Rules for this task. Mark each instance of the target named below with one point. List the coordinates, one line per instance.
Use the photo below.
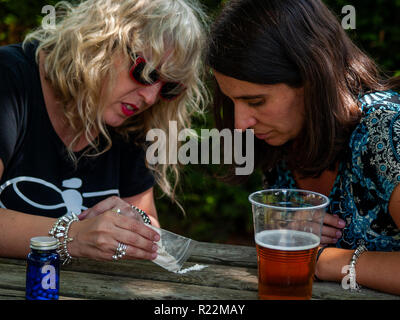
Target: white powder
(196, 267)
(165, 260)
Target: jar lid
(44, 243)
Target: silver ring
(120, 252)
(117, 211)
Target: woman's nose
(150, 93)
(244, 118)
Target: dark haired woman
(324, 121)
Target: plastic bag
(173, 249)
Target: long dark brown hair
(302, 44)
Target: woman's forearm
(16, 230)
(375, 270)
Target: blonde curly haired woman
(75, 105)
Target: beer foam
(287, 240)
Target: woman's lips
(129, 109)
(262, 136)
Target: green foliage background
(215, 211)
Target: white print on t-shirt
(72, 198)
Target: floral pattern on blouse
(366, 176)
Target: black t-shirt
(39, 177)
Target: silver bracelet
(352, 271)
(60, 231)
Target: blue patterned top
(366, 176)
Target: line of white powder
(196, 267)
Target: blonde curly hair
(78, 57)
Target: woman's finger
(136, 240)
(327, 240)
(138, 227)
(132, 251)
(334, 221)
(138, 253)
(331, 232)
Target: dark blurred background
(215, 211)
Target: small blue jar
(43, 270)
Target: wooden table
(231, 275)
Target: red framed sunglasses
(169, 90)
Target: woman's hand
(101, 229)
(332, 229)
(98, 237)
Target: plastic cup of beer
(287, 230)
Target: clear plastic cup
(287, 231)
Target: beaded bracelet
(60, 231)
(143, 214)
